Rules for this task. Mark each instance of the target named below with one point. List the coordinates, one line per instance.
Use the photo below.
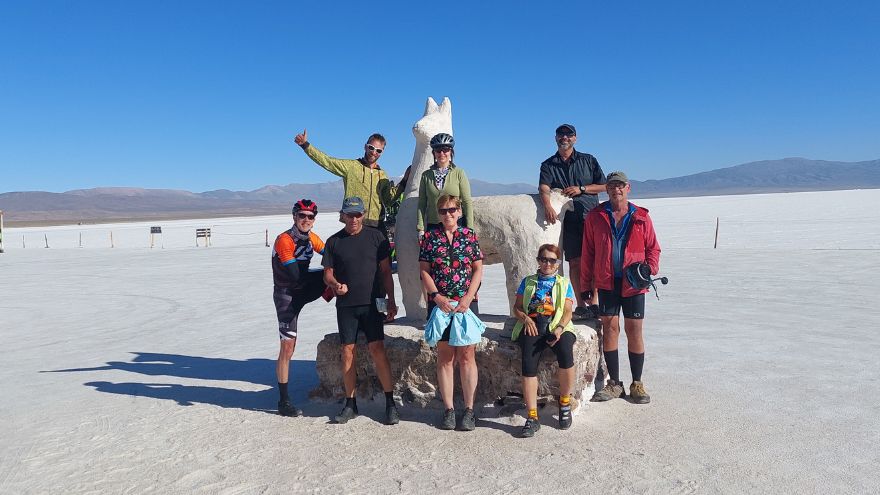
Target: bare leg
(530, 391)
(467, 371)
(610, 332)
(383, 367)
(282, 368)
(349, 375)
(566, 381)
(445, 372)
(634, 340)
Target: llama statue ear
(446, 106)
(430, 106)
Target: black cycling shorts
(533, 346)
(365, 318)
(572, 235)
(611, 302)
(289, 301)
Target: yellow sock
(533, 413)
(565, 400)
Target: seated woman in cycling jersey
(295, 286)
(543, 310)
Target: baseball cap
(617, 176)
(353, 204)
(565, 129)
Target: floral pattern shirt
(451, 263)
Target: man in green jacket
(361, 178)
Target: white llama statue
(510, 228)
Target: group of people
(604, 244)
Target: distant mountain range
(123, 203)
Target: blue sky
(208, 95)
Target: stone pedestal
(413, 366)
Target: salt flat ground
(130, 369)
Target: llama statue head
(437, 119)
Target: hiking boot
(638, 394)
(392, 416)
(468, 422)
(346, 414)
(580, 313)
(530, 428)
(612, 390)
(448, 422)
(564, 416)
(285, 408)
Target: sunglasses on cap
(542, 259)
(447, 211)
(373, 148)
(305, 216)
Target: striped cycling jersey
(291, 247)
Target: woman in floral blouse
(451, 266)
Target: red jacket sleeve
(652, 247)
(588, 254)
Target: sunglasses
(552, 261)
(616, 185)
(353, 215)
(565, 134)
(447, 211)
(373, 148)
(305, 216)
(442, 150)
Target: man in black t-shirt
(357, 268)
(580, 177)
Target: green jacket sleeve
(335, 166)
(423, 203)
(387, 191)
(467, 206)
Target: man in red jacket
(618, 234)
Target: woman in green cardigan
(444, 177)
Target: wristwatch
(432, 295)
(583, 189)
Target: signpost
(153, 231)
(205, 234)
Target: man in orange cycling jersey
(295, 286)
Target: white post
(1, 231)
(46, 238)
(111, 240)
(80, 239)
(716, 233)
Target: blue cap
(353, 204)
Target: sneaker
(580, 313)
(564, 416)
(448, 422)
(612, 390)
(392, 416)
(468, 422)
(638, 394)
(285, 408)
(346, 414)
(530, 428)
